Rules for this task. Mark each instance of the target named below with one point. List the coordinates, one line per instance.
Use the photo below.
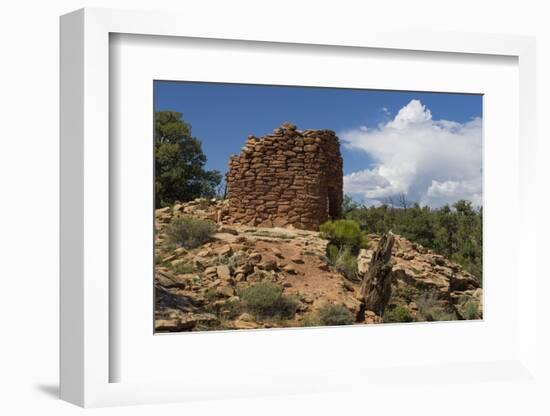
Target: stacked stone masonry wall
(289, 178)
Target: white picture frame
(86, 356)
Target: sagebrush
(344, 261)
(329, 315)
(431, 308)
(189, 232)
(399, 313)
(471, 310)
(266, 300)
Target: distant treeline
(454, 231)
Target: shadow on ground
(51, 390)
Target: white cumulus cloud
(432, 162)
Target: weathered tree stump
(376, 285)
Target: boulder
(297, 259)
(227, 230)
(289, 268)
(211, 271)
(225, 291)
(178, 321)
(245, 321)
(269, 265)
(165, 280)
(223, 272)
(254, 258)
(226, 251)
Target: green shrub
(334, 315)
(345, 239)
(344, 233)
(203, 203)
(397, 314)
(189, 232)
(329, 315)
(230, 309)
(265, 300)
(311, 319)
(430, 308)
(333, 252)
(183, 268)
(232, 261)
(403, 293)
(211, 294)
(344, 261)
(471, 310)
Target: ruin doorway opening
(333, 207)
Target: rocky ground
(198, 289)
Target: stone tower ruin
(289, 178)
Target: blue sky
(223, 115)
